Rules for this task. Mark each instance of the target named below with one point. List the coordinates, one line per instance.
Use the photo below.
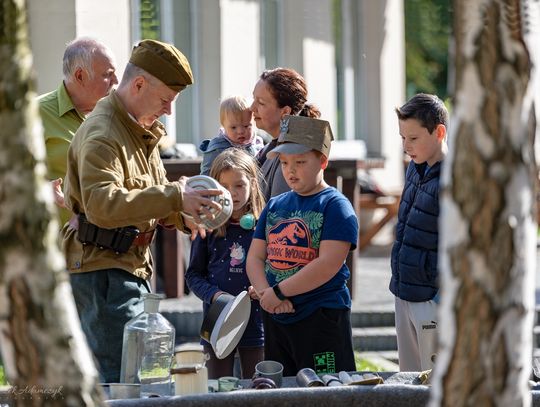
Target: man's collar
(156, 131)
(65, 104)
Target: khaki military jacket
(115, 176)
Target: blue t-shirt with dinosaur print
(293, 227)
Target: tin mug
(228, 383)
(271, 370)
(203, 182)
(308, 378)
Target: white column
(240, 45)
(392, 92)
(319, 58)
(309, 48)
(206, 66)
(348, 50)
(54, 23)
(109, 22)
(381, 84)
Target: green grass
(3, 380)
(365, 365)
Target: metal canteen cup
(203, 182)
(308, 378)
(269, 369)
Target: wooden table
(169, 250)
(389, 203)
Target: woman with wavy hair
(277, 93)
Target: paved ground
(372, 276)
(371, 282)
(371, 279)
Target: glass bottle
(148, 349)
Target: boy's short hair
(428, 109)
(232, 105)
(300, 134)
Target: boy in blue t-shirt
(296, 262)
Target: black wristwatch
(278, 292)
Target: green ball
(247, 221)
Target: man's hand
(57, 193)
(195, 202)
(195, 228)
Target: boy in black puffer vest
(422, 125)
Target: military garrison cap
(164, 61)
(300, 134)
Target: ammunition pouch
(119, 240)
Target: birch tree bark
(488, 205)
(46, 358)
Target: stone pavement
(371, 279)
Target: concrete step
(373, 329)
(186, 316)
(373, 318)
(374, 339)
(188, 322)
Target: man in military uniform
(116, 184)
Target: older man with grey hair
(89, 74)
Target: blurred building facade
(351, 53)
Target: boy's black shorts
(322, 341)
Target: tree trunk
(488, 206)
(46, 358)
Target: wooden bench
(389, 203)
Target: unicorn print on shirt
(238, 255)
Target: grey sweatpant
(416, 327)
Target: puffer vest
(414, 253)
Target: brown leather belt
(144, 238)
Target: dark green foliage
(427, 34)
